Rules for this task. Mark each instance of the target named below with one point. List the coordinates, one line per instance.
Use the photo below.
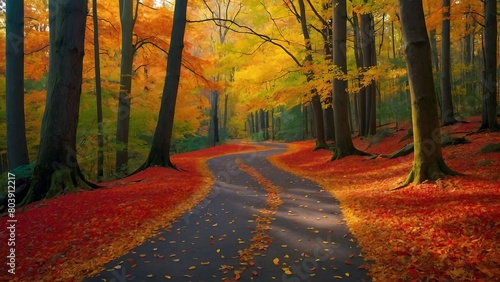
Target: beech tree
(98, 94)
(56, 170)
(489, 113)
(343, 140)
(316, 99)
(428, 161)
(17, 149)
(127, 20)
(447, 116)
(159, 154)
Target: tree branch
(249, 30)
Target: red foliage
(446, 230)
(69, 237)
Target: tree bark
(489, 113)
(97, 63)
(213, 132)
(123, 119)
(447, 115)
(367, 35)
(428, 161)
(316, 99)
(57, 169)
(343, 141)
(17, 148)
(159, 154)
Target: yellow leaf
(287, 271)
(192, 267)
(276, 261)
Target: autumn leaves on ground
(445, 230)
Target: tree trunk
(123, 119)
(361, 94)
(489, 113)
(367, 35)
(447, 116)
(17, 149)
(316, 99)
(306, 121)
(57, 169)
(428, 161)
(160, 149)
(213, 132)
(97, 63)
(343, 141)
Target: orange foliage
(447, 230)
(70, 237)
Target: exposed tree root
(408, 149)
(490, 148)
(320, 146)
(421, 173)
(158, 161)
(339, 154)
(52, 182)
(408, 135)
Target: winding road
(259, 223)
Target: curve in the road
(225, 238)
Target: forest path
(259, 223)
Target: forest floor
(447, 230)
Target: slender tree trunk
(428, 161)
(17, 149)
(57, 169)
(316, 99)
(160, 149)
(343, 141)
(123, 119)
(214, 121)
(489, 113)
(305, 110)
(97, 63)
(447, 116)
(224, 121)
(361, 94)
(367, 35)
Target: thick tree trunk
(447, 116)
(123, 119)
(100, 136)
(428, 161)
(57, 169)
(489, 113)
(343, 141)
(17, 149)
(160, 149)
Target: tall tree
(369, 60)
(127, 55)
(159, 154)
(17, 149)
(316, 99)
(57, 169)
(343, 140)
(447, 116)
(489, 113)
(97, 63)
(428, 161)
